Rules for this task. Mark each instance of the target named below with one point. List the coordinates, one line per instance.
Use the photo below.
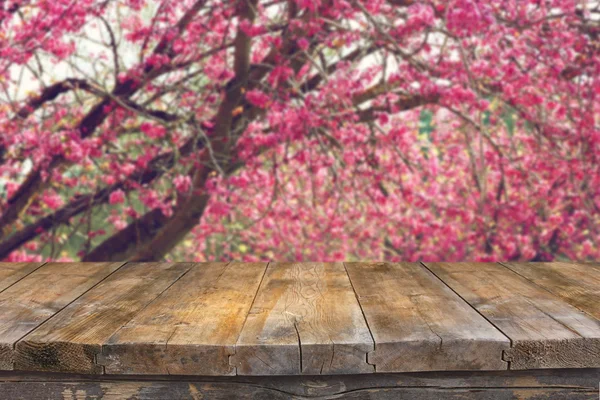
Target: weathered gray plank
(70, 341)
(305, 319)
(537, 384)
(419, 324)
(35, 298)
(546, 332)
(11, 273)
(192, 328)
(575, 283)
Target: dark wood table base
(493, 385)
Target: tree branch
(189, 211)
(50, 93)
(34, 182)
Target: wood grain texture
(576, 284)
(297, 318)
(419, 324)
(192, 328)
(11, 273)
(38, 296)
(305, 320)
(70, 341)
(228, 391)
(496, 385)
(545, 331)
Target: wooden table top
(297, 318)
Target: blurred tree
(299, 129)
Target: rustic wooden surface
(314, 319)
(545, 331)
(192, 328)
(13, 272)
(419, 324)
(573, 384)
(305, 319)
(576, 284)
(70, 341)
(32, 300)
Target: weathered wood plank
(192, 328)
(419, 324)
(11, 273)
(35, 298)
(70, 341)
(305, 319)
(496, 385)
(227, 391)
(577, 284)
(545, 331)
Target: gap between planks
(11, 280)
(418, 324)
(545, 329)
(72, 301)
(19, 302)
(103, 348)
(192, 328)
(14, 344)
(364, 317)
(587, 288)
(305, 319)
(70, 341)
(476, 310)
(229, 360)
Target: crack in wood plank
(305, 319)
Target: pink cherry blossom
(52, 200)
(116, 197)
(153, 131)
(257, 98)
(182, 183)
(300, 130)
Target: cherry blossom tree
(299, 129)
